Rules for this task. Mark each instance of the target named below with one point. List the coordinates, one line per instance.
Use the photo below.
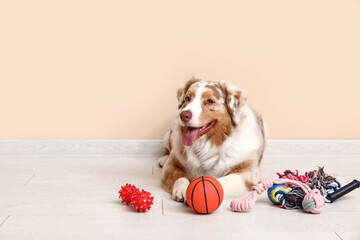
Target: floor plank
(145, 226)
(353, 235)
(3, 219)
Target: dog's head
(208, 108)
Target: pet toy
(344, 190)
(204, 194)
(294, 176)
(293, 198)
(140, 200)
(294, 191)
(126, 192)
(313, 201)
(277, 193)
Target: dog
(215, 133)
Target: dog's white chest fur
(203, 158)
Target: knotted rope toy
(318, 179)
(313, 201)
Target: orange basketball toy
(204, 194)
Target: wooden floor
(77, 198)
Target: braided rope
(243, 204)
(313, 201)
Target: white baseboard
(81, 148)
(153, 148)
(310, 147)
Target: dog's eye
(210, 101)
(187, 99)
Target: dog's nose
(185, 116)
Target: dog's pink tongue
(190, 135)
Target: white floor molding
(152, 148)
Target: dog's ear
(234, 99)
(180, 94)
(182, 91)
(180, 97)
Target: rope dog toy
(313, 201)
(318, 179)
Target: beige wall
(110, 69)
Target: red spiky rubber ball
(204, 194)
(142, 201)
(126, 193)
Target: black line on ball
(207, 212)
(192, 196)
(216, 191)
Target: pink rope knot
(263, 185)
(243, 204)
(313, 201)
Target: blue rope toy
(291, 197)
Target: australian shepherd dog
(215, 133)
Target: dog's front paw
(179, 190)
